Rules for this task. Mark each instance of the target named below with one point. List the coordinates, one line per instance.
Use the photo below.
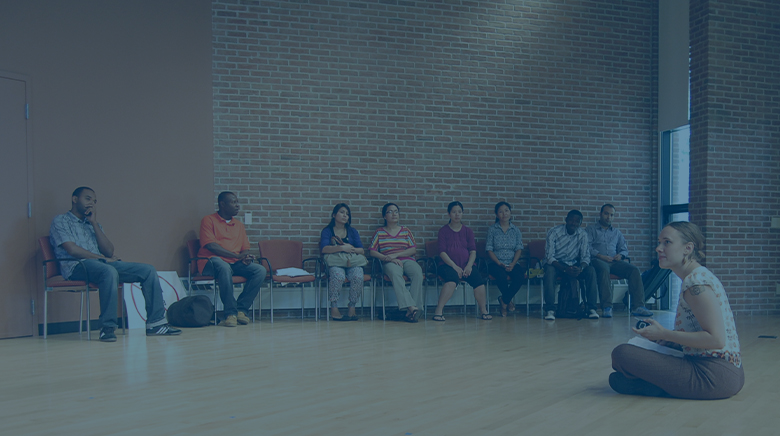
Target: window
(674, 190)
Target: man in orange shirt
(224, 242)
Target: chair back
(281, 253)
(432, 248)
(536, 250)
(52, 268)
(481, 252)
(193, 247)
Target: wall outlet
(248, 218)
(775, 222)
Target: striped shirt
(68, 228)
(565, 248)
(387, 244)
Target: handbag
(345, 260)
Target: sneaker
(242, 318)
(550, 315)
(607, 312)
(107, 335)
(641, 311)
(230, 321)
(592, 314)
(163, 330)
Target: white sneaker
(550, 315)
(593, 315)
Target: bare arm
(104, 244)
(221, 252)
(705, 307)
(493, 257)
(409, 252)
(77, 252)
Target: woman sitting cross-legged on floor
(457, 253)
(711, 366)
(394, 245)
(340, 237)
(504, 246)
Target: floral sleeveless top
(686, 321)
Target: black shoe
(163, 330)
(107, 334)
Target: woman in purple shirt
(457, 253)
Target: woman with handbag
(394, 245)
(343, 253)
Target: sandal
(511, 307)
(343, 318)
(486, 316)
(438, 318)
(503, 306)
(412, 317)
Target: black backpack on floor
(195, 311)
(569, 305)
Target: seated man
(77, 234)
(607, 250)
(223, 240)
(567, 256)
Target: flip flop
(343, 318)
(412, 317)
(438, 318)
(486, 316)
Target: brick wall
(547, 105)
(735, 146)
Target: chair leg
(89, 318)
(122, 306)
(384, 313)
(373, 297)
(271, 286)
(528, 299)
(45, 313)
(216, 295)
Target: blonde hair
(690, 232)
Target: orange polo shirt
(229, 235)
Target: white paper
(293, 272)
(652, 346)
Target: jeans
(108, 275)
(223, 272)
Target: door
(17, 247)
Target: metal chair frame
(82, 287)
(204, 279)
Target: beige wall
(121, 102)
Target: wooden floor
(462, 377)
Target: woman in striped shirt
(394, 245)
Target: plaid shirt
(68, 228)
